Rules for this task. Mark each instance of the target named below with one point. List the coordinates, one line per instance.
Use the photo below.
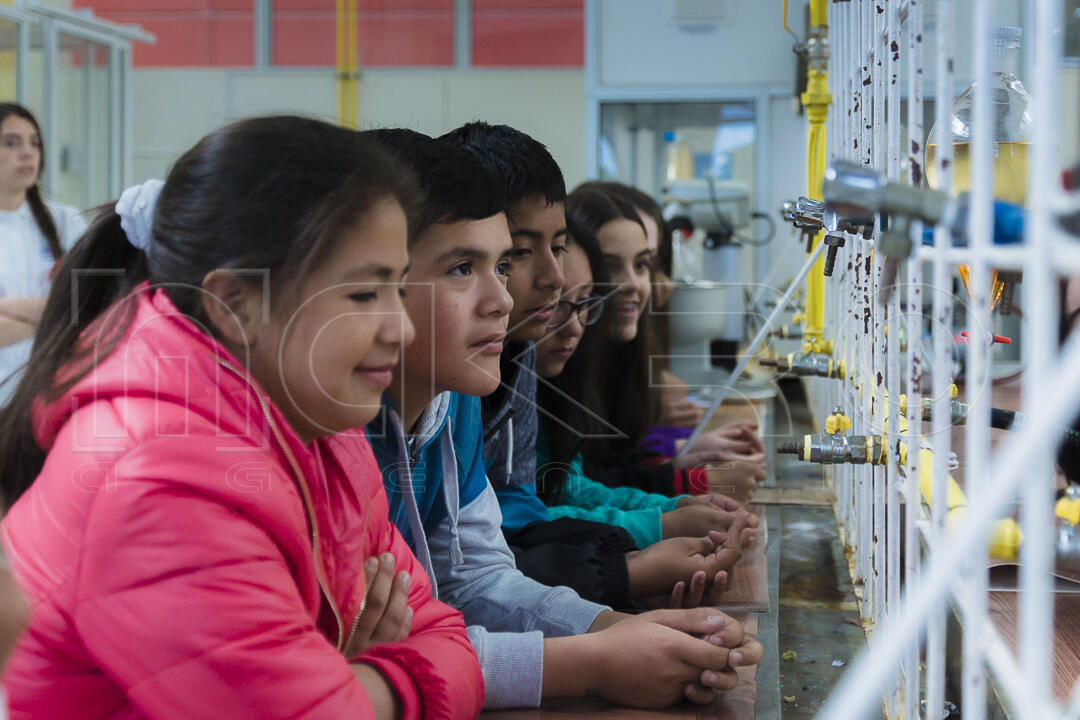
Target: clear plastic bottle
(1011, 111)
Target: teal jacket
(634, 510)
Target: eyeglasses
(587, 310)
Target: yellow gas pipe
(816, 100)
(348, 75)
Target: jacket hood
(431, 422)
(432, 473)
(169, 389)
(166, 359)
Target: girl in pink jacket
(194, 539)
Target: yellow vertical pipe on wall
(9, 70)
(8, 73)
(347, 74)
(816, 100)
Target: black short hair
(456, 186)
(520, 163)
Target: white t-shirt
(25, 264)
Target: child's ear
(234, 307)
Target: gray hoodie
(454, 529)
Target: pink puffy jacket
(188, 557)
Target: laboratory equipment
(707, 311)
(1012, 128)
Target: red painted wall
(191, 33)
(219, 33)
(528, 33)
(388, 33)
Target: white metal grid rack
(874, 44)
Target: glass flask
(1011, 112)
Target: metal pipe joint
(807, 365)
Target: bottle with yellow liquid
(679, 159)
(1012, 134)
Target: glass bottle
(1011, 112)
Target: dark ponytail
(41, 213)
(273, 193)
(104, 246)
(44, 220)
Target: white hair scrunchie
(136, 210)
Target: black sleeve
(658, 479)
(587, 556)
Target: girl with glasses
(562, 482)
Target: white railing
(877, 45)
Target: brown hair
(621, 395)
(657, 329)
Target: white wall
(787, 180)
(638, 44)
(174, 108)
(1070, 115)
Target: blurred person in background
(34, 234)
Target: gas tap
(854, 190)
(833, 447)
(807, 365)
(808, 214)
(787, 332)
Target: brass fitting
(787, 332)
(808, 365)
(834, 447)
(837, 448)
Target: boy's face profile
(538, 231)
(457, 299)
